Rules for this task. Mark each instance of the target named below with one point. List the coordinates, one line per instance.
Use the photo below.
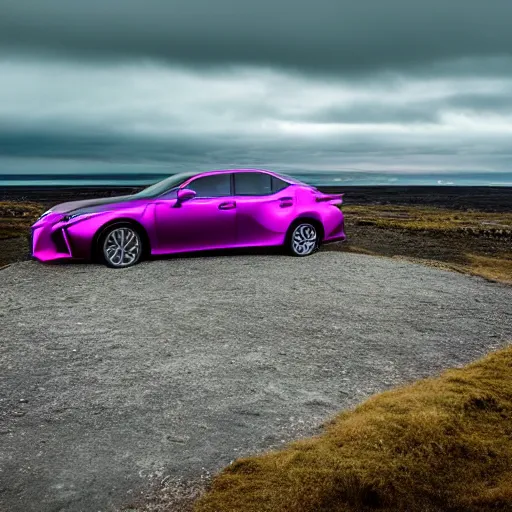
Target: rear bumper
(337, 234)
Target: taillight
(335, 199)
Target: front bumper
(50, 244)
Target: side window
(252, 184)
(278, 184)
(216, 185)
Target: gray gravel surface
(112, 380)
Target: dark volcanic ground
(491, 199)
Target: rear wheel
(121, 246)
(304, 239)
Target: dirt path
(112, 380)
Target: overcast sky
(388, 85)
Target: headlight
(72, 216)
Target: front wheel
(304, 239)
(121, 246)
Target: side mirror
(185, 194)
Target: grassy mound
(439, 444)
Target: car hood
(73, 206)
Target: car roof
(237, 170)
(223, 171)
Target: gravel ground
(112, 380)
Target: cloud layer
(332, 35)
(391, 85)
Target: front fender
(84, 232)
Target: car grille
(60, 243)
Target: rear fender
(308, 216)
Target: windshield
(164, 186)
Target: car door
(265, 207)
(205, 222)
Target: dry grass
(476, 243)
(433, 219)
(440, 444)
(493, 268)
(15, 221)
(16, 218)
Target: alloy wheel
(122, 247)
(304, 239)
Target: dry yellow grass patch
(16, 218)
(431, 219)
(476, 243)
(496, 269)
(440, 444)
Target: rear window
(278, 184)
(252, 184)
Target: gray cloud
(327, 35)
(148, 114)
(326, 85)
(499, 103)
(415, 112)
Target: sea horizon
(318, 178)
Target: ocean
(318, 178)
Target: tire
(120, 245)
(304, 239)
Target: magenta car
(191, 212)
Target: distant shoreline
(482, 198)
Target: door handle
(285, 202)
(227, 206)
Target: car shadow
(248, 251)
(252, 251)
